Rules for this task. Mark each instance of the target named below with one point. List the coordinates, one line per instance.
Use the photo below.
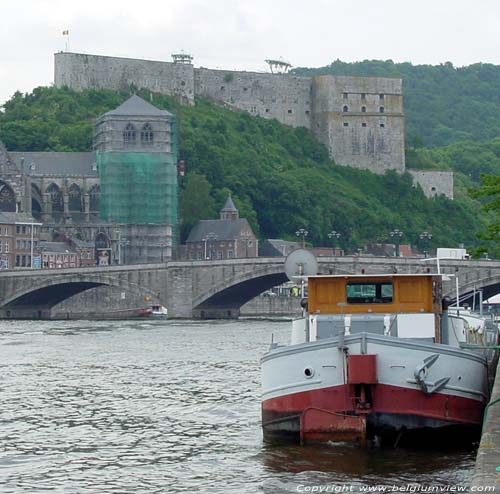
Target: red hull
(389, 407)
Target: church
(122, 196)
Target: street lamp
(302, 232)
(210, 237)
(396, 235)
(425, 237)
(334, 235)
(122, 242)
(245, 237)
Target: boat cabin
(400, 305)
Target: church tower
(136, 146)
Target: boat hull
(373, 385)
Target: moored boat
(377, 357)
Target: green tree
(195, 202)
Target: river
(167, 407)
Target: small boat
(378, 358)
(159, 311)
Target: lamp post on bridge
(334, 235)
(425, 237)
(209, 238)
(397, 234)
(245, 237)
(302, 232)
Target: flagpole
(66, 33)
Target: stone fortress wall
(359, 119)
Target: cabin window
(369, 293)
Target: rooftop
(136, 106)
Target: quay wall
(487, 469)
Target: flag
(66, 33)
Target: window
(363, 96)
(219, 254)
(147, 134)
(382, 125)
(230, 254)
(345, 109)
(289, 111)
(7, 246)
(381, 97)
(381, 109)
(345, 95)
(363, 124)
(363, 109)
(369, 293)
(0, 246)
(129, 135)
(267, 110)
(346, 124)
(222, 88)
(18, 229)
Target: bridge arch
(48, 293)
(234, 292)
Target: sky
(234, 34)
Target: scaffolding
(138, 188)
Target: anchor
(421, 371)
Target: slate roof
(223, 229)
(54, 163)
(12, 218)
(229, 206)
(136, 106)
(82, 244)
(58, 247)
(274, 247)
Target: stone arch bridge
(211, 289)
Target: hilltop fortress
(359, 119)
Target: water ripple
(119, 407)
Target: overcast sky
(234, 34)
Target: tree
(195, 202)
(490, 191)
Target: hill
(281, 178)
(443, 104)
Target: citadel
(359, 119)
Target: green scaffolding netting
(138, 188)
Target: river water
(167, 407)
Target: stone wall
(283, 97)
(434, 183)
(79, 71)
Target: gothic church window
(363, 109)
(129, 135)
(147, 134)
(94, 198)
(381, 109)
(7, 198)
(75, 198)
(345, 109)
